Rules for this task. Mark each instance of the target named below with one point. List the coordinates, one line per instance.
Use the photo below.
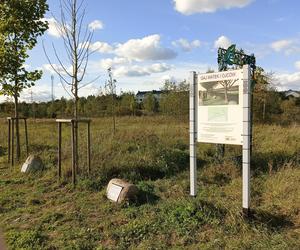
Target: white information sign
(114, 192)
(220, 107)
(220, 112)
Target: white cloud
(169, 78)
(50, 69)
(53, 29)
(185, 45)
(101, 47)
(222, 42)
(136, 70)
(288, 46)
(159, 68)
(59, 69)
(147, 48)
(110, 62)
(188, 7)
(96, 25)
(288, 81)
(297, 65)
(281, 45)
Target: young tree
(111, 89)
(77, 38)
(19, 30)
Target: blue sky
(147, 42)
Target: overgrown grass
(36, 212)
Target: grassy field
(38, 213)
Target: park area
(38, 212)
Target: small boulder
(32, 164)
(119, 190)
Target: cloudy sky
(146, 42)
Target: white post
(246, 138)
(193, 133)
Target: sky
(147, 42)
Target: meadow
(37, 212)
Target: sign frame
(246, 135)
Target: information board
(220, 107)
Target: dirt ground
(2, 243)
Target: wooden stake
(89, 148)
(59, 151)
(73, 153)
(9, 140)
(26, 137)
(12, 141)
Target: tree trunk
(75, 79)
(76, 125)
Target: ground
(37, 212)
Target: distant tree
(128, 104)
(266, 101)
(174, 99)
(150, 103)
(290, 111)
(20, 26)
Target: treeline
(269, 106)
(172, 101)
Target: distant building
(292, 93)
(140, 96)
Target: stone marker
(33, 163)
(119, 190)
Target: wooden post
(74, 125)
(73, 153)
(26, 136)
(89, 148)
(9, 140)
(12, 141)
(59, 151)
(76, 145)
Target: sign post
(246, 138)
(193, 133)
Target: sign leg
(193, 139)
(246, 141)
